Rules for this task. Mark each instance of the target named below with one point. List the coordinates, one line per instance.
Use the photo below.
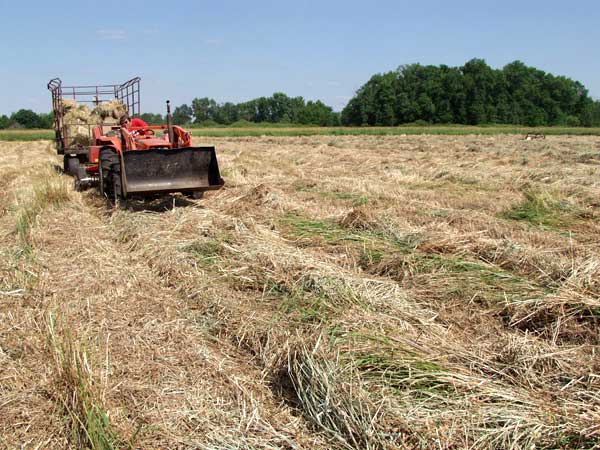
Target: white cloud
(112, 34)
(213, 41)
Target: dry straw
(383, 292)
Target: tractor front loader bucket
(161, 171)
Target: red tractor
(125, 162)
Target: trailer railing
(128, 93)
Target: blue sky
(237, 50)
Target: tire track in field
(28, 416)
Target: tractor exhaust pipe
(170, 125)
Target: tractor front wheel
(109, 172)
(196, 195)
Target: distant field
(391, 131)
(34, 135)
(25, 135)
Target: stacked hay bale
(110, 112)
(77, 118)
(80, 120)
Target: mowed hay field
(371, 292)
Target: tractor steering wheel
(142, 133)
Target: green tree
(351, 114)
(228, 113)
(317, 113)
(279, 108)
(248, 111)
(4, 122)
(426, 107)
(480, 87)
(46, 120)
(472, 94)
(204, 109)
(182, 115)
(385, 98)
(595, 110)
(26, 118)
(263, 110)
(152, 119)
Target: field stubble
(340, 292)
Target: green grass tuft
(370, 257)
(541, 209)
(90, 425)
(386, 363)
(327, 230)
(306, 308)
(204, 252)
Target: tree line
(473, 94)
(278, 108)
(26, 118)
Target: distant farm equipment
(533, 136)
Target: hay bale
(80, 120)
(110, 121)
(68, 105)
(79, 135)
(113, 109)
